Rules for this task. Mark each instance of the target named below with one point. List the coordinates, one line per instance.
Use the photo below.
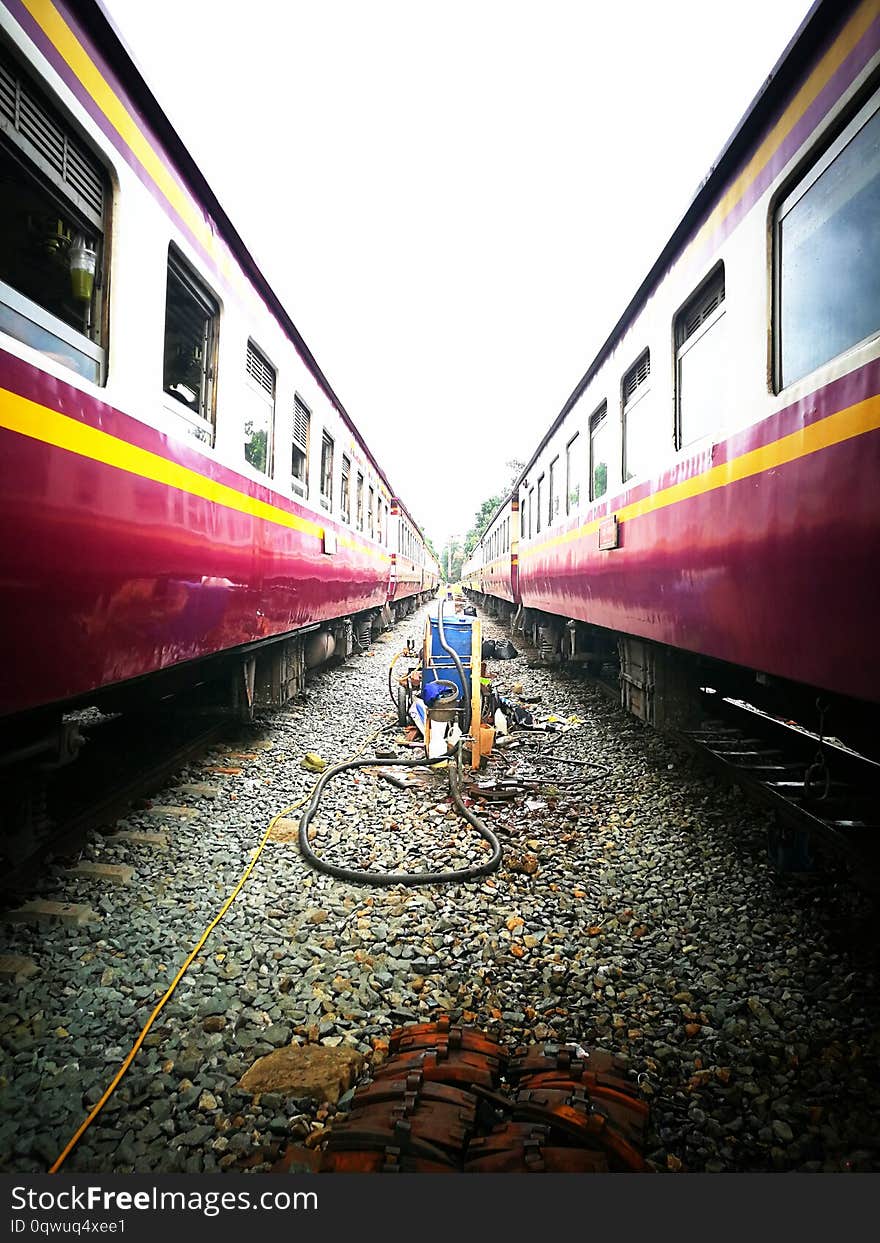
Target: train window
(54, 208)
(359, 502)
(327, 470)
(192, 316)
(371, 509)
(553, 497)
(259, 410)
(639, 430)
(701, 362)
(573, 468)
(299, 464)
(538, 506)
(827, 253)
(600, 435)
(344, 497)
(531, 509)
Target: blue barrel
(459, 633)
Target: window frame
(796, 187)
(568, 464)
(327, 441)
(200, 291)
(552, 490)
(262, 392)
(81, 214)
(683, 348)
(538, 485)
(345, 490)
(627, 404)
(596, 419)
(298, 485)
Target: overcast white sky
(454, 201)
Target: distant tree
(452, 559)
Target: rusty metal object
(442, 1035)
(450, 1098)
(385, 1161)
(524, 1148)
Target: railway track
(823, 793)
(124, 758)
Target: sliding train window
(327, 470)
(191, 320)
(345, 494)
(538, 505)
(827, 253)
(299, 454)
(531, 510)
(371, 511)
(701, 354)
(639, 430)
(573, 473)
(359, 502)
(259, 411)
(54, 219)
(600, 438)
(553, 497)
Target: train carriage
(414, 571)
(184, 495)
(706, 498)
(498, 577)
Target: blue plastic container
(459, 634)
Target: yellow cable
(114, 1083)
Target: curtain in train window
(259, 410)
(828, 253)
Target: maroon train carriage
(706, 502)
(184, 497)
(415, 574)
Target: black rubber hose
(398, 878)
(465, 698)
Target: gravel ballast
(635, 910)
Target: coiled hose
(399, 878)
